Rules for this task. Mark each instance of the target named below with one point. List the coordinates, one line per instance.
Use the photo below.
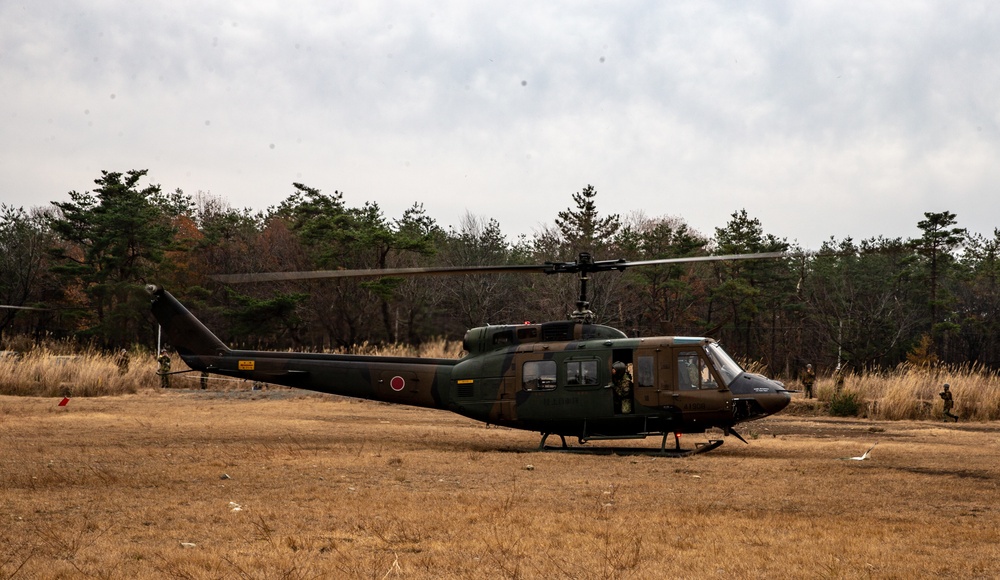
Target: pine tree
(114, 240)
(582, 229)
(936, 244)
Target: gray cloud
(821, 120)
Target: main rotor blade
(727, 257)
(22, 307)
(547, 268)
(386, 272)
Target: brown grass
(60, 369)
(326, 487)
(905, 393)
(912, 393)
(49, 373)
(437, 348)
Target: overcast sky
(819, 118)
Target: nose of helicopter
(776, 399)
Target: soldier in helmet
(622, 381)
(164, 372)
(808, 380)
(949, 402)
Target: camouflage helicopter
(564, 378)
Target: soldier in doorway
(622, 380)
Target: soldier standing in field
(808, 380)
(839, 379)
(164, 371)
(122, 361)
(949, 402)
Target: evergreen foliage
(112, 241)
(582, 229)
(860, 304)
(845, 405)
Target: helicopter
(570, 378)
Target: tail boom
(402, 380)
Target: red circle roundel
(397, 383)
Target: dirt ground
(285, 484)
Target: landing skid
(663, 451)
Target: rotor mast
(583, 266)
(583, 313)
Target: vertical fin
(185, 332)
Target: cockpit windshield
(727, 367)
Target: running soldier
(949, 402)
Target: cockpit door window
(693, 373)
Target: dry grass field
(285, 484)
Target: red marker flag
(64, 402)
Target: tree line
(81, 267)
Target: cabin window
(646, 371)
(538, 375)
(503, 337)
(581, 373)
